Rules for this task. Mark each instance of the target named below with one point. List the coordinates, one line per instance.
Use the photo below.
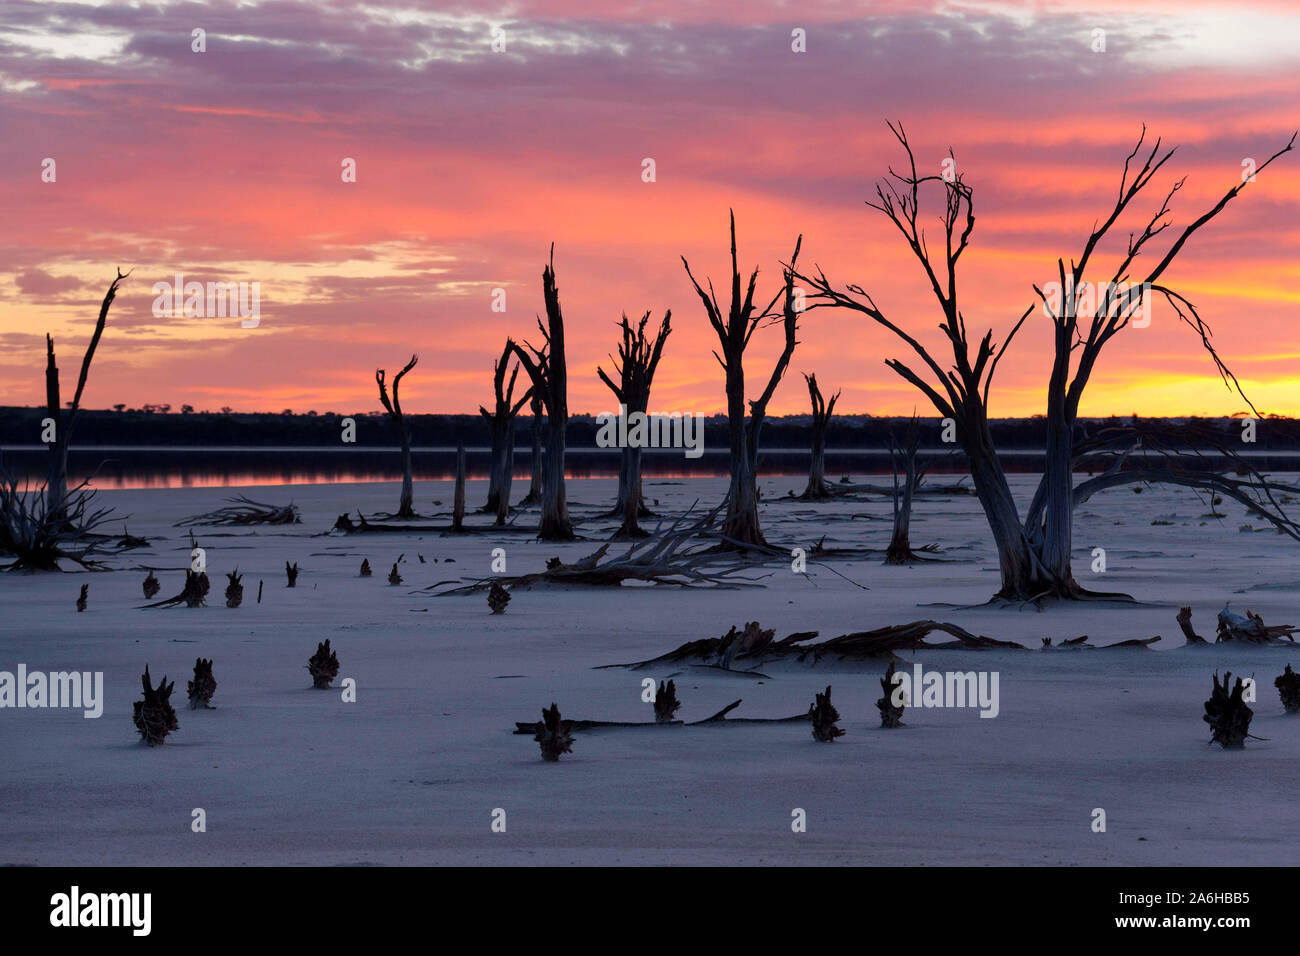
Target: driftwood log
(658, 559)
(1081, 643)
(154, 716)
(1252, 629)
(528, 727)
(244, 511)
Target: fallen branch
(244, 511)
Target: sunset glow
(225, 166)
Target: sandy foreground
(412, 772)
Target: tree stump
(151, 586)
(666, 702)
(365, 568)
(291, 571)
(81, 599)
(323, 665)
(498, 598)
(196, 588)
(891, 715)
(234, 590)
(393, 577)
(552, 734)
(823, 716)
(1288, 687)
(154, 716)
(203, 686)
(1227, 714)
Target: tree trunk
(458, 501)
(817, 469)
(555, 524)
(629, 495)
(506, 475)
(741, 524)
(1016, 562)
(900, 544)
(535, 482)
(406, 508)
(497, 464)
(56, 485)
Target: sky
(471, 160)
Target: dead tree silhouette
(734, 329)
(501, 421)
(406, 508)
(638, 357)
(1034, 553)
(546, 369)
(822, 411)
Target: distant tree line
(22, 426)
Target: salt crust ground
(411, 772)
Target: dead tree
(1227, 714)
(154, 716)
(365, 568)
(823, 715)
(234, 589)
(534, 495)
(1033, 553)
(291, 572)
(666, 702)
(406, 508)
(552, 734)
(203, 686)
(394, 578)
(81, 599)
(546, 370)
(638, 357)
(1288, 688)
(56, 484)
(822, 411)
(900, 544)
(891, 713)
(150, 586)
(734, 329)
(323, 666)
(501, 422)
